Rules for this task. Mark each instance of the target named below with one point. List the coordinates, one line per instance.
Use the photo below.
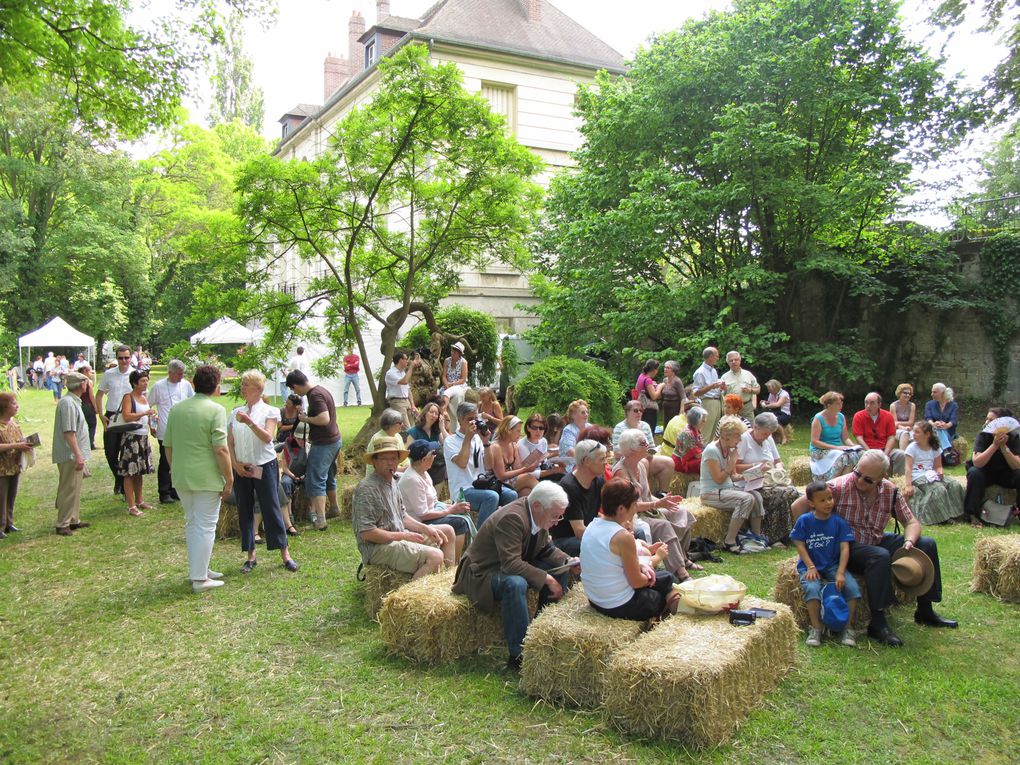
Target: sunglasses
(534, 426)
(866, 479)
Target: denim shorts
(813, 590)
(320, 473)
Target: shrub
(474, 326)
(554, 382)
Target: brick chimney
(382, 9)
(534, 9)
(334, 74)
(355, 50)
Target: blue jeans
(350, 380)
(813, 590)
(944, 441)
(486, 502)
(511, 591)
(320, 472)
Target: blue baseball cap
(421, 448)
(835, 611)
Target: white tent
(227, 331)
(57, 333)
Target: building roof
(396, 23)
(504, 25)
(301, 110)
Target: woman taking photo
(250, 433)
(135, 457)
(648, 393)
(489, 408)
(288, 417)
(616, 580)
(507, 464)
(12, 446)
(832, 451)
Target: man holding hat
(385, 533)
(866, 500)
(70, 453)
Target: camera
(481, 426)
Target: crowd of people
(533, 501)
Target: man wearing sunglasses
(866, 500)
(113, 386)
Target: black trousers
(267, 489)
(570, 545)
(91, 420)
(163, 480)
(873, 564)
(111, 447)
(647, 602)
(979, 479)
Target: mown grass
(108, 657)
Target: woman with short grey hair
(391, 422)
(757, 447)
(671, 392)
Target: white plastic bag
(710, 594)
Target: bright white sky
(288, 56)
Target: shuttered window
(503, 100)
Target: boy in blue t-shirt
(823, 542)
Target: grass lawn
(108, 657)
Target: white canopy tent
(57, 333)
(227, 331)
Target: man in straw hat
(866, 500)
(386, 534)
(512, 554)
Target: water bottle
(460, 495)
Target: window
(286, 129)
(371, 53)
(502, 100)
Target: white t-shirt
(749, 450)
(163, 396)
(924, 459)
(393, 388)
(115, 385)
(248, 447)
(299, 363)
(460, 478)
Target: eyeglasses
(866, 479)
(536, 426)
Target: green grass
(108, 657)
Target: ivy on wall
(999, 288)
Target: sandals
(734, 548)
(144, 506)
(293, 532)
(133, 510)
(248, 566)
(692, 566)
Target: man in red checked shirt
(352, 370)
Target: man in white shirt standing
(163, 396)
(708, 387)
(113, 386)
(398, 387)
(741, 383)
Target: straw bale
(680, 483)
(694, 679)
(787, 591)
(299, 508)
(425, 622)
(710, 522)
(228, 526)
(347, 501)
(997, 567)
(443, 491)
(962, 445)
(993, 492)
(379, 582)
(567, 649)
(800, 471)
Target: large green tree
(733, 189)
(235, 96)
(418, 183)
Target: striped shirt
(868, 523)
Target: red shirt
(868, 523)
(352, 363)
(875, 433)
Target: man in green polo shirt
(195, 444)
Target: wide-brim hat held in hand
(913, 571)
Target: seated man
(583, 486)
(386, 534)
(511, 554)
(467, 457)
(875, 428)
(996, 462)
(866, 500)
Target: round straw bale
(694, 679)
(710, 522)
(994, 492)
(567, 649)
(379, 582)
(680, 483)
(800, 471)
(228, 526)
(962, 445)
(997, 567)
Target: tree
(236, 98)
(733, 189)
(476, 329)
(420, 182)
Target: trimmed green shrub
(474, 326)
(554, 382)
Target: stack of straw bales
(379, 582)
(568, 648)
(694, 679)
(800, 471)
(997, 567)
(788, 592)
(681, 481)
(710, 523)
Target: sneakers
(814, 637)
(210, 574)
(846, 637)
(207, 584)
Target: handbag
(647, 402)
(997, 514)
(950, 457)
(487, 481)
